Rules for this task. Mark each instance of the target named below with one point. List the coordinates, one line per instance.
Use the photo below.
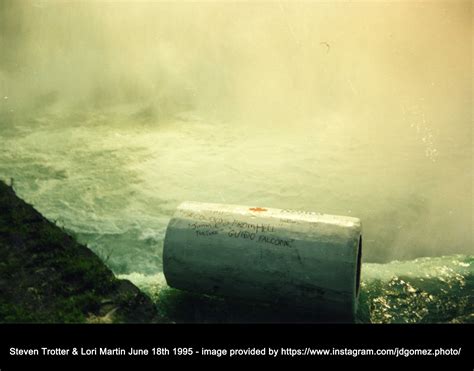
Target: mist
(357, 108)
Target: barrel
(300, 259)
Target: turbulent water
(116, 186)
(112, 113)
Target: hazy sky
(266, 62)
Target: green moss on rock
(46, 276)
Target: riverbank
(46, 276)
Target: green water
(425, 290)
(116, 187)
(112, 113)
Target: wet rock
(46, 276)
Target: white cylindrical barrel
(297, 258)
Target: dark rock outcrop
(46, 276)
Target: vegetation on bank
(46, 276)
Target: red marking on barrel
(257, 209)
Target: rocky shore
(47, 276)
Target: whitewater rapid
(114, 179)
